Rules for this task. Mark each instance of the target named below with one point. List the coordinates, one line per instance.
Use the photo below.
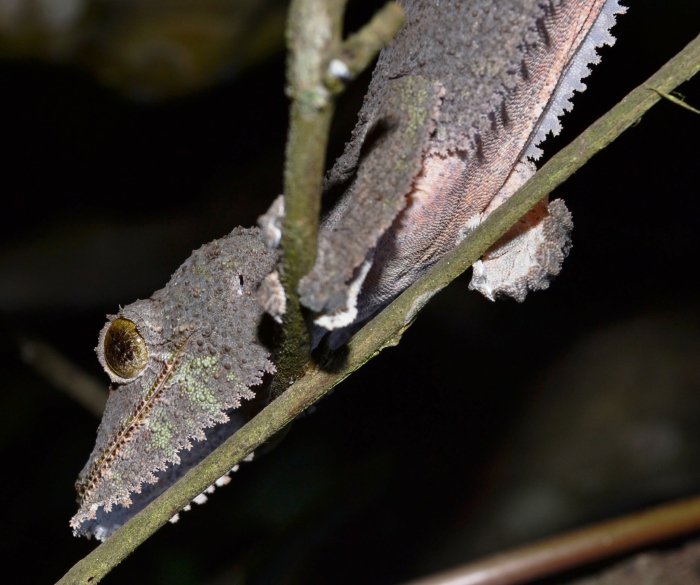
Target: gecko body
(482, 96)
(456, 109)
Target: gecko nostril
(125, 351)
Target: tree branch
(386, 329)
(316, 74)
(574, 549)
(314, 32)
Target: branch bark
(386, 329)
(314, 32)
(319, 66)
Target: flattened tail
(571, 81)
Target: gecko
(452, 121)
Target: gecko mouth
(100, 519)
(111, 491)
(103, 522)
(104, 462)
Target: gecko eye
(125, 351)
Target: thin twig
(574, 549)
(675, 99)
(360, 48)
(386, 329)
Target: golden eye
(125, 351)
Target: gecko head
(181, 363)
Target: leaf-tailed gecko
(457, 107)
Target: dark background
(490, 424)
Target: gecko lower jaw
(104, 523)
(133, 423)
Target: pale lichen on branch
(360, 48)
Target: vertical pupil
(124, 349)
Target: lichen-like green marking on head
(195, 378)
(162, 432)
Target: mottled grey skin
(204, 359)
(497, 76)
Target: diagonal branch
(573, 549)
(386, 329)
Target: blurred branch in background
(64, 375)
(148, 50)
(576, 549)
